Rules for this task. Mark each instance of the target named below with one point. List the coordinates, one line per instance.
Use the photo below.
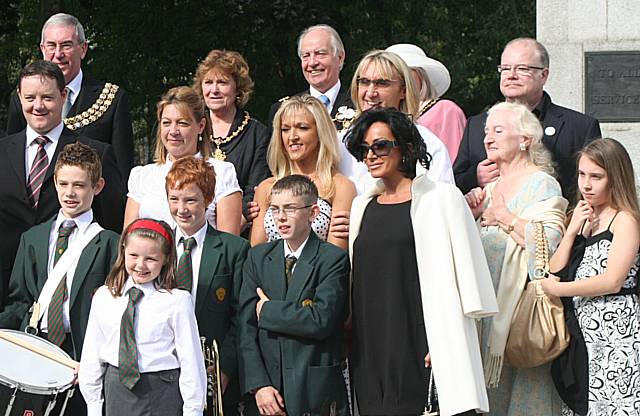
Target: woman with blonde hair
(181, 122)
(598, 262)
(526, 192)
(304, 142)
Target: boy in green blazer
(61, 262)
(293, 303)
(209, 266)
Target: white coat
(455, 285)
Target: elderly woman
(304, 142)
(415, 299)
(222, 80)
(181, 124)
(442, 117)
(525, 192)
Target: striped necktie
(38, 169)
(128, 370)
(289, 262)
(55, 326)
(184, 273)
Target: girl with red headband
(142, 353)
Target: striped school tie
(184, 272)
(38, 169)
(289, 262)
(129, 372)
(55, 326)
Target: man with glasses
(524, 69)
(93, 108)
(321, 54)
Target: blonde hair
(426, 90)
(528, 125)
(328, 152)
(390, 66)
(190, 105)
(611, 156)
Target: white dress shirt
(440, 169)
(32, 147)
(83, 221)
(331, 94)
(147, 188)
(166, 335)
(196, 254)
(73, 88)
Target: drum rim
(29, 388)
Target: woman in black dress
(223, 81)
(406, 279)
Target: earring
(404, 160)
(199, 137)
(523, 147)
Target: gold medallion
(307, 302)
(219, 154)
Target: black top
(389, 342)
(248, 153)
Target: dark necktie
(38, 169)
(184, 273)
(289, 262)
(55, 326)
(128, 352)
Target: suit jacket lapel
(303, 268)
(86, 97)
(274, 283)
(16, 155)
(208, 265)
(552, 125)
(84, 263)
(42, 252)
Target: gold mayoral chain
(94, 112)
(426, 107)
(219, 141)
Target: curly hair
(82, 156)
(412, 147)
(228, 64)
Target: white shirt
(32, 147)
(440, 169)
(296, 254)
(83, 221)
(73, 88)
(196, 254)
(147, 188)
(331, 94)
(166, 335)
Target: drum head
(30, 371)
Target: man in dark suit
(93, 108)
(27, 161)
(215, 283)
(321, 54)
(293, 302)
(524, 69)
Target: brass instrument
(213, 400)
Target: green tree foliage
(150, 46)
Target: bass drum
(31, 384)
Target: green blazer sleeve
(253, 373)
(22, 291)
(319, 318)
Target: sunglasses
(380, 147)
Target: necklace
(218, 141)
(426, 107)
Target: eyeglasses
(380, 147)
(377, 83)
(519, 69)
(64, 47)
(288, 210)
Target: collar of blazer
(209, 260)
(302, 272)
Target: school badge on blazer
(220, 294)
(307, 302)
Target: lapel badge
(220, 294)
(307, 302)
(550, 131)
